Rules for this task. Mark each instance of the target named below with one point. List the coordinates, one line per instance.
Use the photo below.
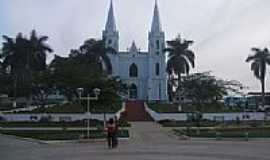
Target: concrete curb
(61, 141)
(23, 138)
(231, 139)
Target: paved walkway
(149, 133)
(148, 142)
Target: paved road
(148, 142)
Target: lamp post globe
(97, 91)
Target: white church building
(143, 71)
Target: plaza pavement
(148, 142)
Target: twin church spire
(156, 24)
(111, 25)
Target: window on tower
(157, 69)
(157, 44)
(109, 41)
(133, 70)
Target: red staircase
(135, 111)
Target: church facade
(144, 72)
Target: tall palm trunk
(170, 87)
(15, 92)
(263, 91)
(104, 120)
(179, 89)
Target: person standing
(111, 133)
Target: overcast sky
(223, 30)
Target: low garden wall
(54, 117)
(258, 116)
(57, 117)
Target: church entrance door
(133, 92)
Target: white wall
(54, 117)
(58, 117)
(209, 116)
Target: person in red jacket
(111, 129)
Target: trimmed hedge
(263, 132)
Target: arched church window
(157, 69)
(157, 44)
(133, 70)
(109, 41)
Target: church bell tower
(110, 34)
(157, 81)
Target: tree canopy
(87, 67)
(22, 57)
(259, 62)
(180, 60)
(203, 88)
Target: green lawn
(60, 135)
(173, 108)
(75, 108)
(262, 132)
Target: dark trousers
(115, 140)
(110, 140)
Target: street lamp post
(88, 98)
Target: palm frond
(250, 58)
(190, 57)
(255, 67)
(107, 63)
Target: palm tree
(97, 50)
(23, 56)
(180, 59)
(260, 60)
(1, 68)
(13, 55)
(38, 51)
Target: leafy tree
(203, 88)
(42, 86)
(97, 50)
(259, 61)
(84, 69)
(5, 81)
(180, 60)
(69, 75)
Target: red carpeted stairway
(135, 111)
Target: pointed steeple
(156, 24)
(110, 24)
(133, 47)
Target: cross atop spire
(110, 24)
(156, 24)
